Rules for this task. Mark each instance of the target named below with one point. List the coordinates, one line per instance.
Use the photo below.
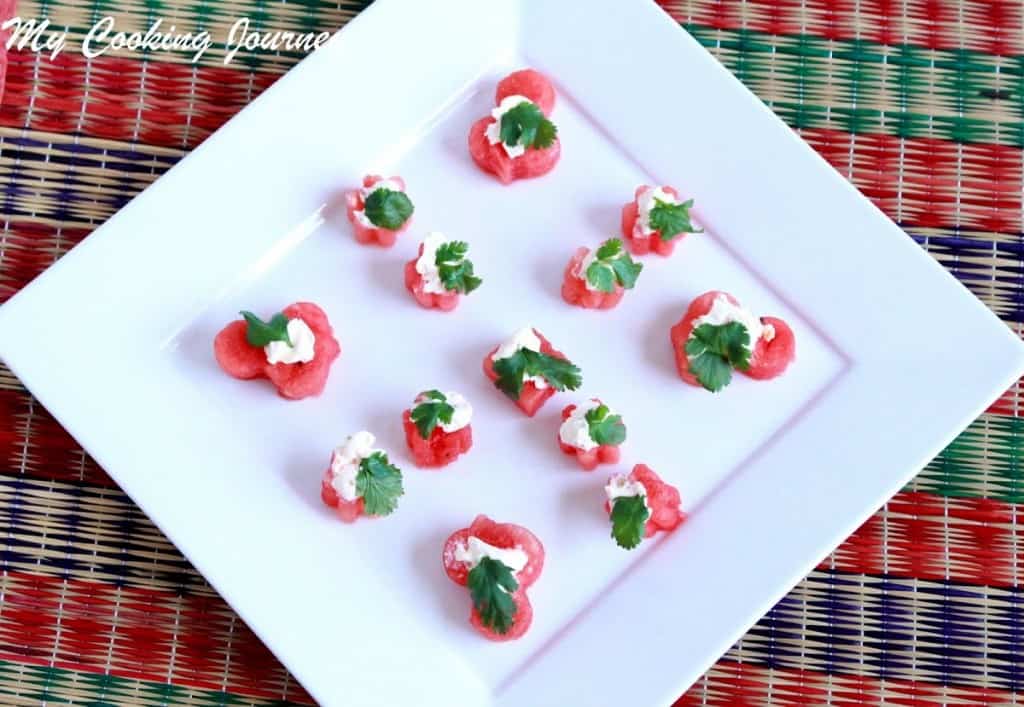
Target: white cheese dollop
(525, 338)
(646, 202)
(622, 486)
(426, 264)
(302, 347)
(723, 312)
(493, 131)
(462, 412)
(345, 463)
(360, 214)
(575, 431)
(476, 549)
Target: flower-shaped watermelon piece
(450, 270)
(370, 234)
(576, 292)
(504, 536)
(588, 458)
(531, 398)
(768, 359)
(240, 359)
(536, 161)
(641, 243)
(441, 448)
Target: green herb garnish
(379, 484)
(388, 209)
(715, 350)
(611, 265)
(491, 584)
(433, 410)
(672, 219)
(512, 370)
(526, 125)
(261, 333)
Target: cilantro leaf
(559, 373)
(605, 428)
(613, 265)
(491, 584)
(526, 125)
(714, 350)
(379, 484)
(672, 219)
(388, 209)
(455, 270)
(609, 249)
(261, 333)
(510, 371)
(428, 414)
(601, 276)
(629, 520)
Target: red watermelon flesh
(441, 449)
(771, 358)
(494, 160)
(520, 623)
(502, 535)
(348, 511)
(575, 291)
(662, 498)
(529, 83)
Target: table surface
(919, 103)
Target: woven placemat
(917, 102)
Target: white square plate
(894, 357)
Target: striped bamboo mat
(920, 103)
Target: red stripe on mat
(916, 181)
(137, 633)
(992, 26)
(924, 536)
(733, 683)
(113, 107)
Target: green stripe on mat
(862, 87)
(22, 684)
(985, 461)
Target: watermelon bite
(437, 428)
(440, 273)
(360, 480)
(592, 433)
(519, 554)
(597, 279)
(528, 370)
(651, 207)
(294, 380)
(390, 211)
(641, 489)
(518, 140)
(771, 346)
